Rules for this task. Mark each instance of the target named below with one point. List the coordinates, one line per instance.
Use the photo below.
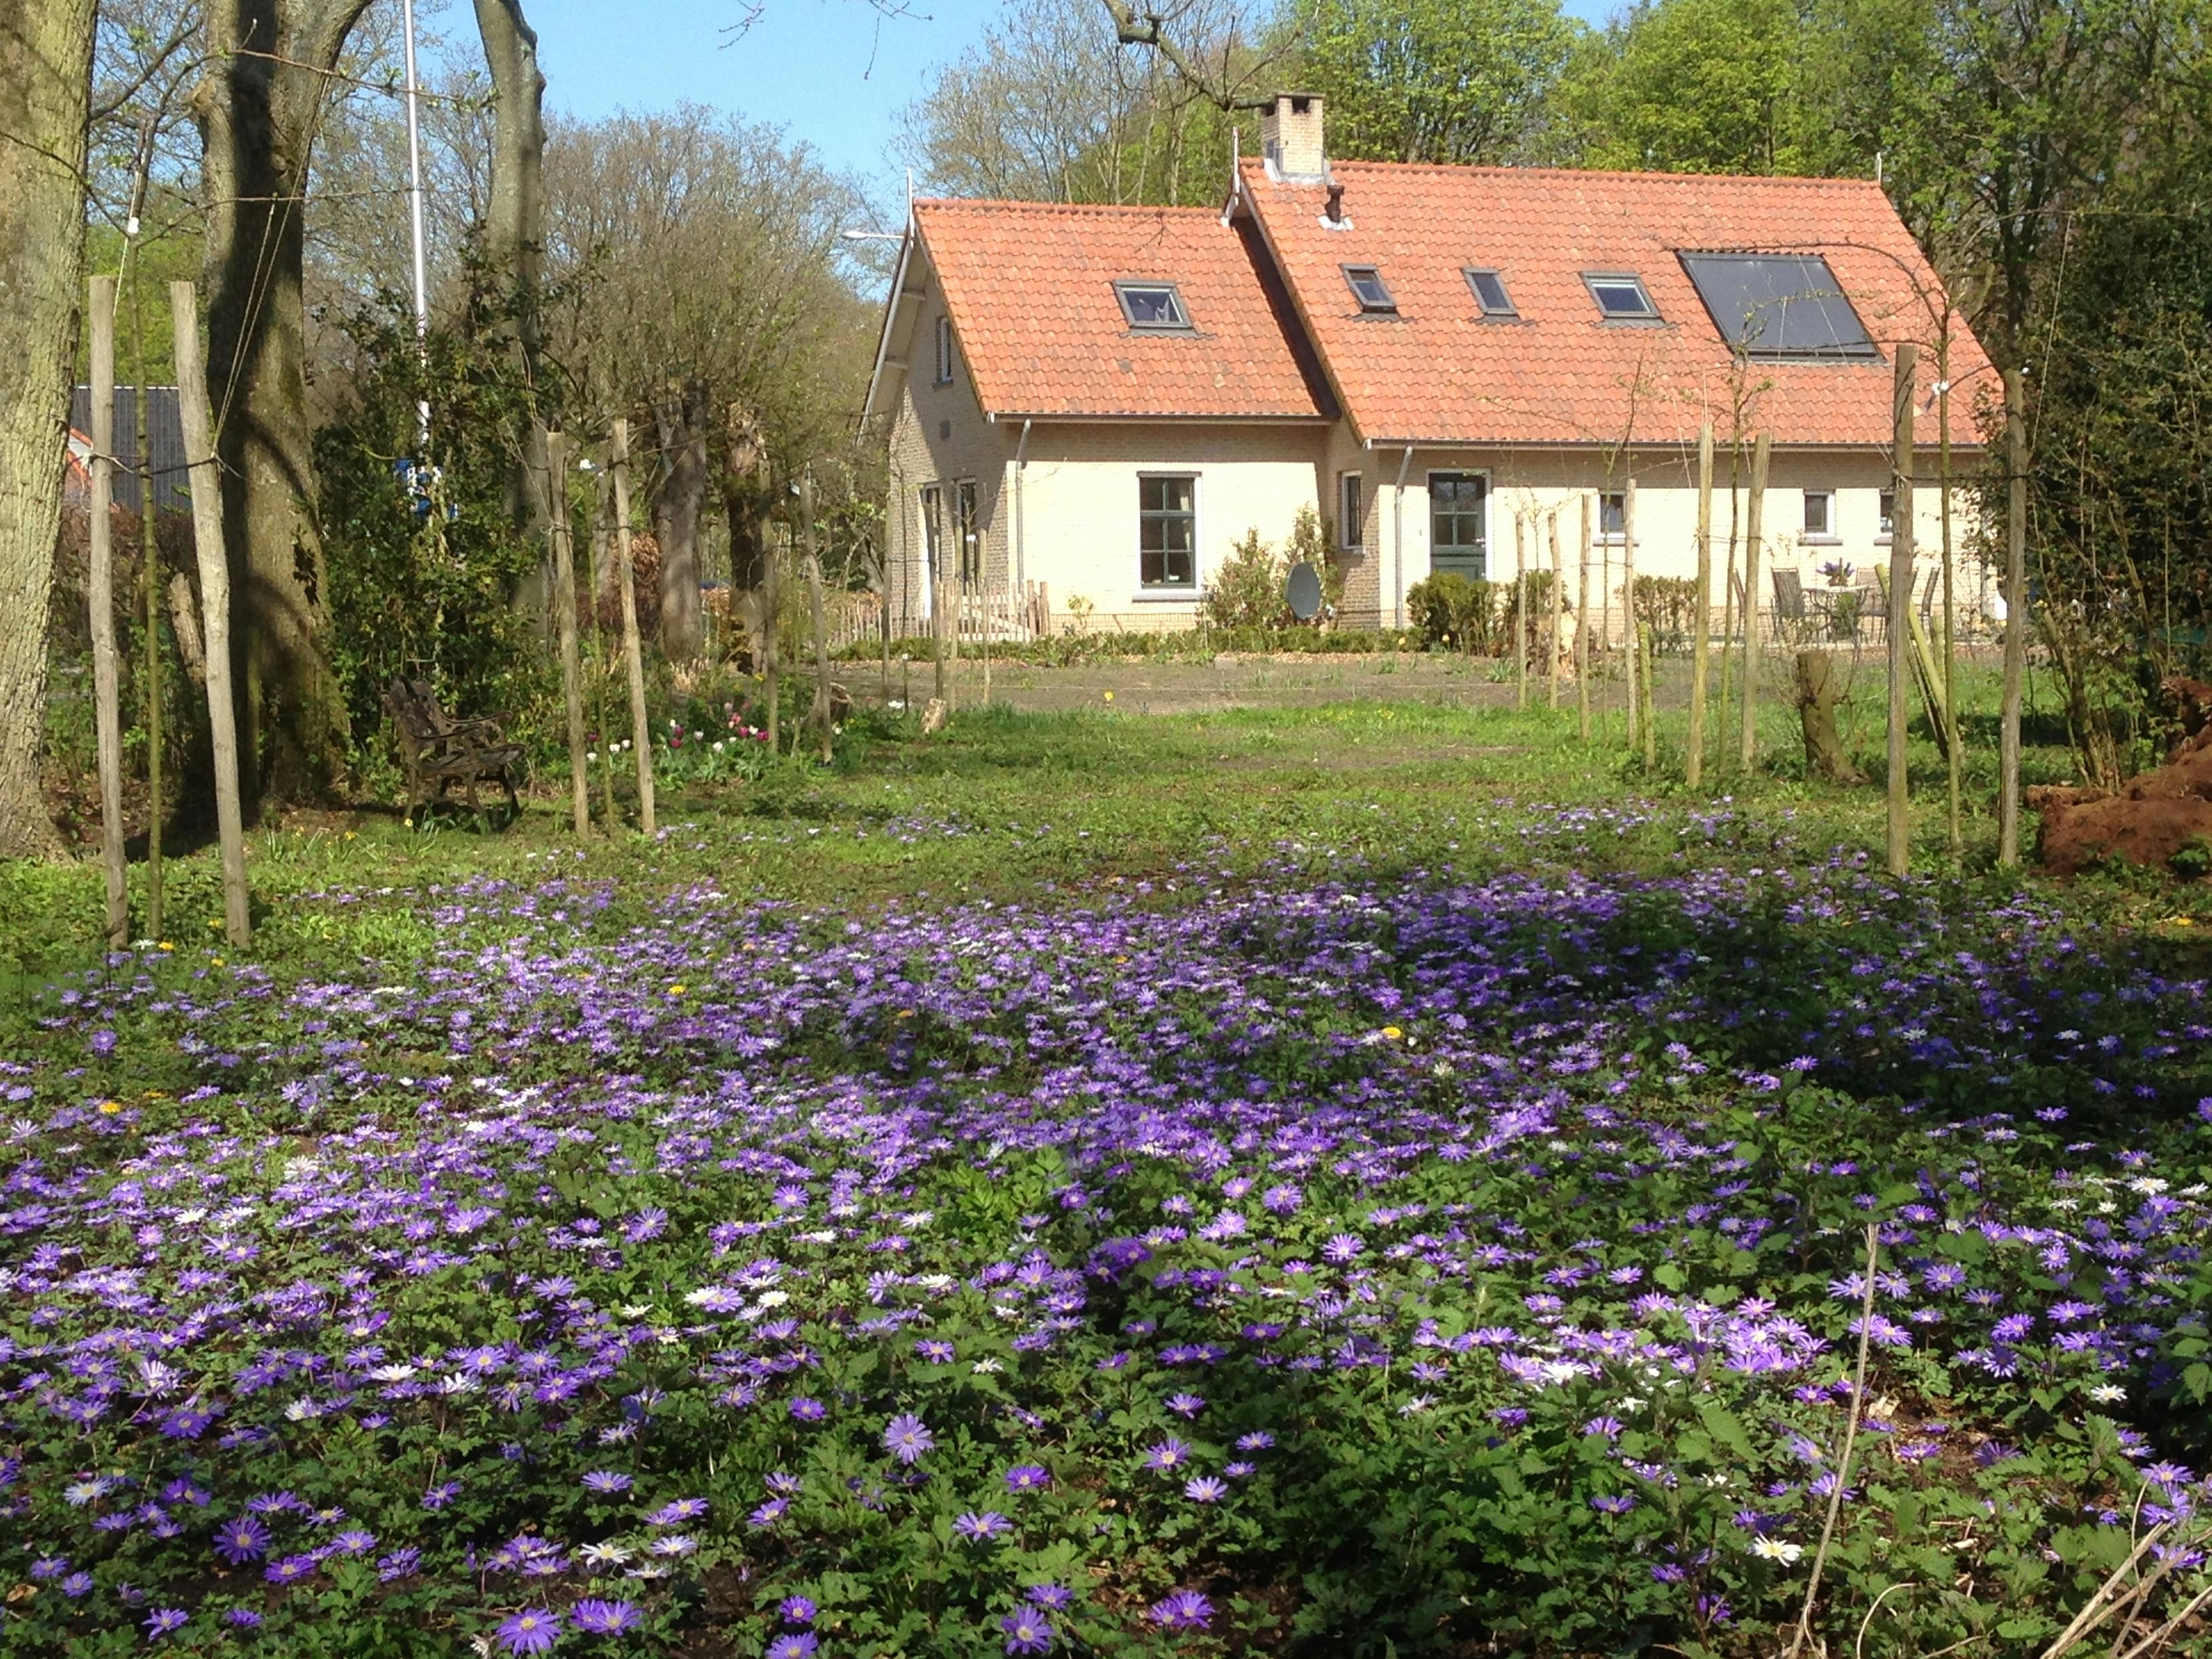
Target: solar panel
(1778, 304)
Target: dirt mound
(2148, 822)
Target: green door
(1459, 524)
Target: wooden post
(1559, 609)
(640, 733)
(564, 611)
(1632, 668)
(2015, 599)
(1581, 624)
(150, 553)
(99, 585)
(937, 628)
(1950, 661)
(215, 604)
(1520, 609)
(1693, 764)
(1754, 519)
(1650, 723)
(771, 663)
(1900, 608)
(599, 558)
(814, 607)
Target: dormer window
(1154, 307)
(1369, 288)
(1621, 296)
(1489, 289)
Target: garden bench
(435, 748)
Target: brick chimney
(1291, 137)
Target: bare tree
(46, 85)
(515, 224)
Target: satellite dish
(1301, 591)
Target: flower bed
(1470, 1258)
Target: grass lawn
(1358, 1177)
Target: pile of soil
(2147, 821)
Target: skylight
(1778, 304)
(1621, 296)
(1369, 288)
(1155, 307)
(1489, 289)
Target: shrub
(1449, 610)
(1247, 591)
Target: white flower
(458, 1382)
(391, 1373)
(2150, 1186)
(1776, 1549)
(2108, 1393)
(774, 1298)
(605, 1555)
(1420, 1402)
(986, 1367)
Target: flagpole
(415, 210)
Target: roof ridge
(1253, 162)
(1102, 208)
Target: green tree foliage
(1449, 80)
(1704, 86)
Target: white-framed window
(1613, 517)
(1351, 511)
(1166, 532)
(945, 351)
(1885, 522)
(1621, 296)
(1459, 524)
(1819, 515)
(932, 532)
(967, 525)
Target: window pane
(1349, 517)
(1166, 532)
(1621, 299)
(1816, 512)
(1778, 304)
(1151, 307)
(1612, 514)
(1490, 288)
(1368, 287)
(1888, 512)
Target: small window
(1156, 308)
(1166, 532)
(945, 351)
(1613, 516)
(1887, 527)
(1369, 288)
(967, 526)
(1459, 538)
(1351, 521)
(1820, 512)
(1621, 296)
(1490, 293)
(932, 532)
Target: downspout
(1398, 530)
(1021, 545)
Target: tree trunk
(680, 418)
(744, 475)
(46, 81)
(1825, 756)
(265, 94)
(514, 244)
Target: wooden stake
(771, 664)
(1650, 722)
(215, 605)
(1632, 669)
(1900, 608)
(150, 553)
(1520, 610)
(1754, 518)
(107, 709)
(599, 559)
(814, 606)
(1559, 609)
(1693, 765)
(2016, 598)
(564, 611)
(640, 733)
(1581, 624)
(1950, 661)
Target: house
(1446, 363)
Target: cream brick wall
(1078, 505)
(939, 435)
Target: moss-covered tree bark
(46, 81)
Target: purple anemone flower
(1027, 1631)
(1184, 1610)
(977, 1528)
(246, 1539)
(534, 1630)
(1027, 1477)
(595, 1617)
(907, 1437)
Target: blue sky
(835, 73)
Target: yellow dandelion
(1392, 1032)
(109, 1107)
(1109, 696)
(675, 990)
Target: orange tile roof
(1030, 290)
(1560, 374)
